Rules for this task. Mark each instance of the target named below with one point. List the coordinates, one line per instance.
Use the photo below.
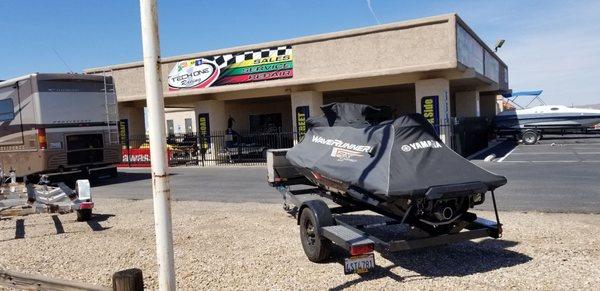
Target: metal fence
(470, 135)
(218, 148)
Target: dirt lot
(250, 245)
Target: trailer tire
(315, 246)
(530, 137)
(84, 215)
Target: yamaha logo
(424, 144)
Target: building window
(7, 112)
(170, 127)
(188, 125)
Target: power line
(372, 11)
(63, 61)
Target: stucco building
(436, 66)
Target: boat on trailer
(530, 123)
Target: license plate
(359, 264)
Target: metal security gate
(221, 148)
(470, 135)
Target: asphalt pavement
(556, 175)
(559, 174)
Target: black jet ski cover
(351, 145)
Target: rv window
(7, 112)
(554, 108)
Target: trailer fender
(321, 211)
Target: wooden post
(128, 280)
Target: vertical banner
(124, 132)
(302, 113)
(204, 131)
(430, 109)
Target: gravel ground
(250, 246)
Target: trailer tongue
(353, 159)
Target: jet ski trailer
(353, 160)
(24, 198)
(321, 216)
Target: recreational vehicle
(57, 123)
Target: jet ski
(399, 167)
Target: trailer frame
(331, 208)
(24, 198)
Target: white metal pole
(158, 149)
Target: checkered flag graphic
(230, 59)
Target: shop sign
(251, 66)
(302, 113)
(204, 130)
(138, 157)
(430, 110)
(124, 132)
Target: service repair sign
(237, 68)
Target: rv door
(11, 125)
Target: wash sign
(430, 109)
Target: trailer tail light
(86, 205)
(361, 249)
(41, 135)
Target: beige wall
(417, 45)
(422, 51)
(178, 115)
(135, 117)
(216, 113)
(467, 104)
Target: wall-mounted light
(499, 44)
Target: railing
(218, 148)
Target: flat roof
(307, 39)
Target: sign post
(158, 150)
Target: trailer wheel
(530, 137)
(315, 246)
(84, 215)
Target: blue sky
(551, 45)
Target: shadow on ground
(94, 223)
(124, 177)
(499, 150)
(455, 260)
